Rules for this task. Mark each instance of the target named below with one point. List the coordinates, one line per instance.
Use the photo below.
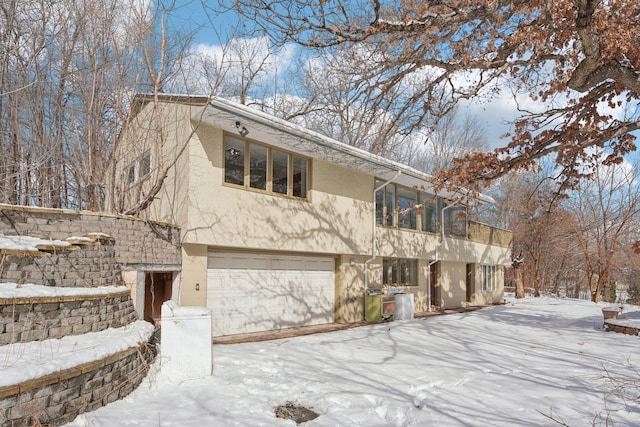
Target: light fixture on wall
(243, 131)
(197, 286)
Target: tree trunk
(519, 284)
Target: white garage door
(256, 292)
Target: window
(385, 204)
(489, 278)
(258, 163)
(379, 203)
(390, 205)
(300, 168)
(234, 161)
(264, 168)
(407, 208)
(430, 217)
(407, 215)
(280, 172)
(399, 272)
(455, 221)
(138, 169)
(130, 173)
(145, 164)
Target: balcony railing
(483, 233)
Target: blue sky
(214, 29)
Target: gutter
(295, 132)
(374, 242)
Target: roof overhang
(231, 117)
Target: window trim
(489, 278)
(392, 220)
(133, 171)
(411, 272)
(291, 157)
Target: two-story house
(284, 227)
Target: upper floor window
(455, 221)
(264, 168)
(407, 211)
(138, 169)
(430, 210)
(398, 206)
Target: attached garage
(261, 292)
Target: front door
(470, 282)
(433, 282)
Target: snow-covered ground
(26, 361)
(516, 364)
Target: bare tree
(456, 134)
(580, 59)
(606, 212)
(68, 70)
(344, 112)
(542, 230)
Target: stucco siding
(335, 220)
(453, 292)
(193, 277)
(228, 216)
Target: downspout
(436, 253)
(374, 243)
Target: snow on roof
(272, 129)
(279, 132)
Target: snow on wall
(137, 241)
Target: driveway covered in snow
(525, 363)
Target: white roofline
(281, 125)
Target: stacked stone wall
(58, 398)
(86, 261)
(621, 328)
(39, 318)
(137, 241)
(83, 266)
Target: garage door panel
(256, 292)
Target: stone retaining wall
(82, 265)
(87, 260)
(137, 241)
(39, 318)
(59, 398)
(622, 329)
